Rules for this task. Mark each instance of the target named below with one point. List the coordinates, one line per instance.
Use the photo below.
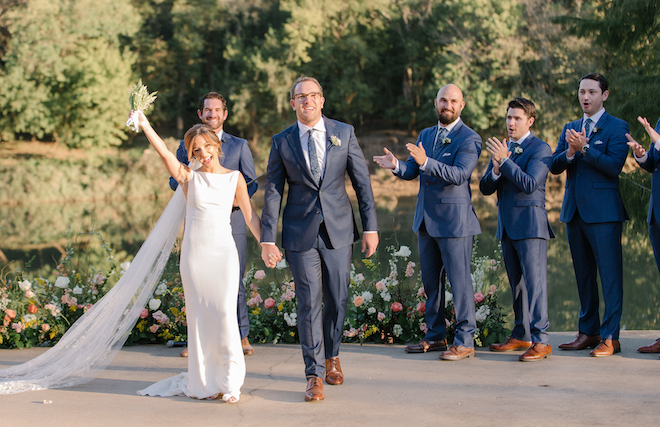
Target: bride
(216, 366)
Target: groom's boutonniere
(446, 141)
(594, 130)
(518, 149)
(335, 141)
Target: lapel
(330, 150)
(293, 140)
(450, 135)
(524, 145)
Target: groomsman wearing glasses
(517, 172)
(445, 222)
(592, 150)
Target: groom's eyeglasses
(312, 95)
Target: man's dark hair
(526, 105)
(212, 95)
(602, 81)
(305, 79)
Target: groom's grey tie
(439, 140)
(313, 158)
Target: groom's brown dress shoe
(457, 352)
(581, 342)
(333, 373)
(314, 389)
(536, 352)
(606, 348)
(425, 346)
(247, 348)
(653, 348)
(510, 344)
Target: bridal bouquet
(140, 99)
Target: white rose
(404, 251)
(386, 296)
(281, 265)
(25, 285)
(154, 303)
(371, 310)
(368, 296)
(62, 282)
(77, 290)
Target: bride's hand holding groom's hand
(271, 255)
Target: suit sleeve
(464, 163)
(246, 167)
(181, 156)
(358, 171)
(536, 173)
(559, 160)
(275, 178)
(612, 160)
(488, 185)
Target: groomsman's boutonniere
(446, 141)
(518, 149)
(594, 130)
(335, 141)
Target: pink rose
(397, 306)
(421, 307)
(144, 313)
(269, 303)
(421, 293)
(11, 313)
(260, 275)
(358, 300)
(492, 289)
(45, 327)
(380, 286)
(32, 309)
(479, 297)
(381, 316)
(153, 328)
(29, 294)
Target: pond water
(39, 233)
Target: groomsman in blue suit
(650, 162)
(318, 227)
(518, 172)
(445, 222)
(236, 156)
(592, 150)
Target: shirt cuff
(657, 145)
(495, 176)
(570, 158)
(370, 232)
(422, 167)
(268, 243)
(642, 159)
(396, 166)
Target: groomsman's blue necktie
(587, 127)
(313, 158)
(439, 141)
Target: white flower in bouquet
(368, 296)
(24, 285)
(386, 296)
(291, 319)
(404, 251)
(62, 282)
(482, 313)
(397, 329)
(281, 265)
(124, 266)
(154, 303)
(140, 99)
(448, 297)
(161, 289)
(77, 290)
(371, 310)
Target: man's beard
(447, 117)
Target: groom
(318, 227)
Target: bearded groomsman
(445, 222)
(650, 162)
(236, 156)
(318, 228)
(592, 150)
(518, 172)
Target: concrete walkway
(384, 387)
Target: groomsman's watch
(584, 149)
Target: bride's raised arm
(177, 170)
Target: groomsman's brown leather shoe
(425, 346)
(606, 348)
(333, 373)
(536, 352)
(457, 352)
(510, 344)
(581, 342)
(247, 348)
(184, 352)
(314, 389)
(653, 348)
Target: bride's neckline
(216, 173)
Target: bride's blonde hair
(205, 132)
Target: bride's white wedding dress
(210, 274)
(216, 362)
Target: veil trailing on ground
(92, 341)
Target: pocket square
(446, 154)
(598, 142)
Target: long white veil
(92, 341)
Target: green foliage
(64, 71)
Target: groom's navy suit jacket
(444, 201)
(521, 191)
(307, 203)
